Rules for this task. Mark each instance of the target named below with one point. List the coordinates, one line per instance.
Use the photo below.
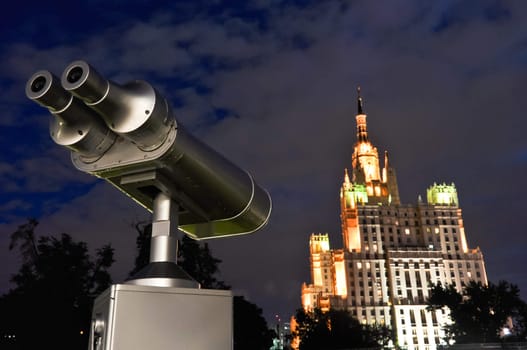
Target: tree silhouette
(337, 329)
(481, 312)
(50, 305)
(250, 328)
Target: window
(412, 317)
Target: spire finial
(359, 101)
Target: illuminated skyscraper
(391, 252)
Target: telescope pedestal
(162, 270)
(161, 307)
(159, 318)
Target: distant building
(283, 335)
(392, 252)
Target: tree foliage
(250, 328)
(51, 302)
(337, 329)
(480, 313)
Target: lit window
(407, 231)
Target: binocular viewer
(128, 135)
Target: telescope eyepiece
(45, 89)
(38, 84)
(83, 81)
(75, 74)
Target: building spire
(362, 132)
(359, 102)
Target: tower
(391, 252)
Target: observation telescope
(128, 135)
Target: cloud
(443, 88)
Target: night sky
(272, 86)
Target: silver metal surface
(141, 149)
(162, 270)
(163, 245)
(164, 282)
(129, 317)
(73, 124)
(136, 111)
(163, 274)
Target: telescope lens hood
(45, 89)
(84, 81)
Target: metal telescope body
(128, 135)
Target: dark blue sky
(271, 84)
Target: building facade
(391, 252)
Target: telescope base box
(128, 317)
